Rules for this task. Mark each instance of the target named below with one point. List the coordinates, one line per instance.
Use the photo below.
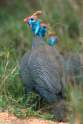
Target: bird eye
(32, 19)
(44, 26)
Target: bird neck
(37, 41)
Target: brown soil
(6, 118)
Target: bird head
(43, 25)
(53, 39)
(34, 17)
(30, 20)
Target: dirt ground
(6, 118)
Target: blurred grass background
(65, 18)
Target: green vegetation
(15, 40)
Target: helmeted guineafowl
(42, 69)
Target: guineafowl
(41, 69)
(73, 67)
